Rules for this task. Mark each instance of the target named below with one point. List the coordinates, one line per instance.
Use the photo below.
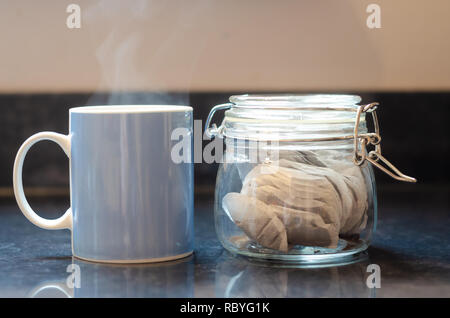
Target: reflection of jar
(295, 184)
(235, 278)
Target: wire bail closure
(374, 156)
(361, 141)
(213, 131)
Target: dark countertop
(411, 246)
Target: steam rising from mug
(121, 52)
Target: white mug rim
(129, 109)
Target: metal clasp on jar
(213, 131)
(374, 156)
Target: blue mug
(130, 201)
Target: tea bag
(358, 217)
(316, 200)
(294, 188)
(353, 176)
(257, 220)
(307, 204)
(303, 156)
(350, 186)
(306, 228)
(307, 157)
(355, 180)
(336, 180)
(303, 228)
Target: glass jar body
(302, 202)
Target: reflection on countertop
(237, 278)
(411, 246)
(231, 279)
(85, 279)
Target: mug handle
(63, 222)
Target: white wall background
(223, 45)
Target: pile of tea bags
(300, 200)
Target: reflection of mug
(51, 289)
(129, 201)
(169, 279)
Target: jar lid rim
(294, 101)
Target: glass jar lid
(290, 102)
(291, 117)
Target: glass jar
(296, 181)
